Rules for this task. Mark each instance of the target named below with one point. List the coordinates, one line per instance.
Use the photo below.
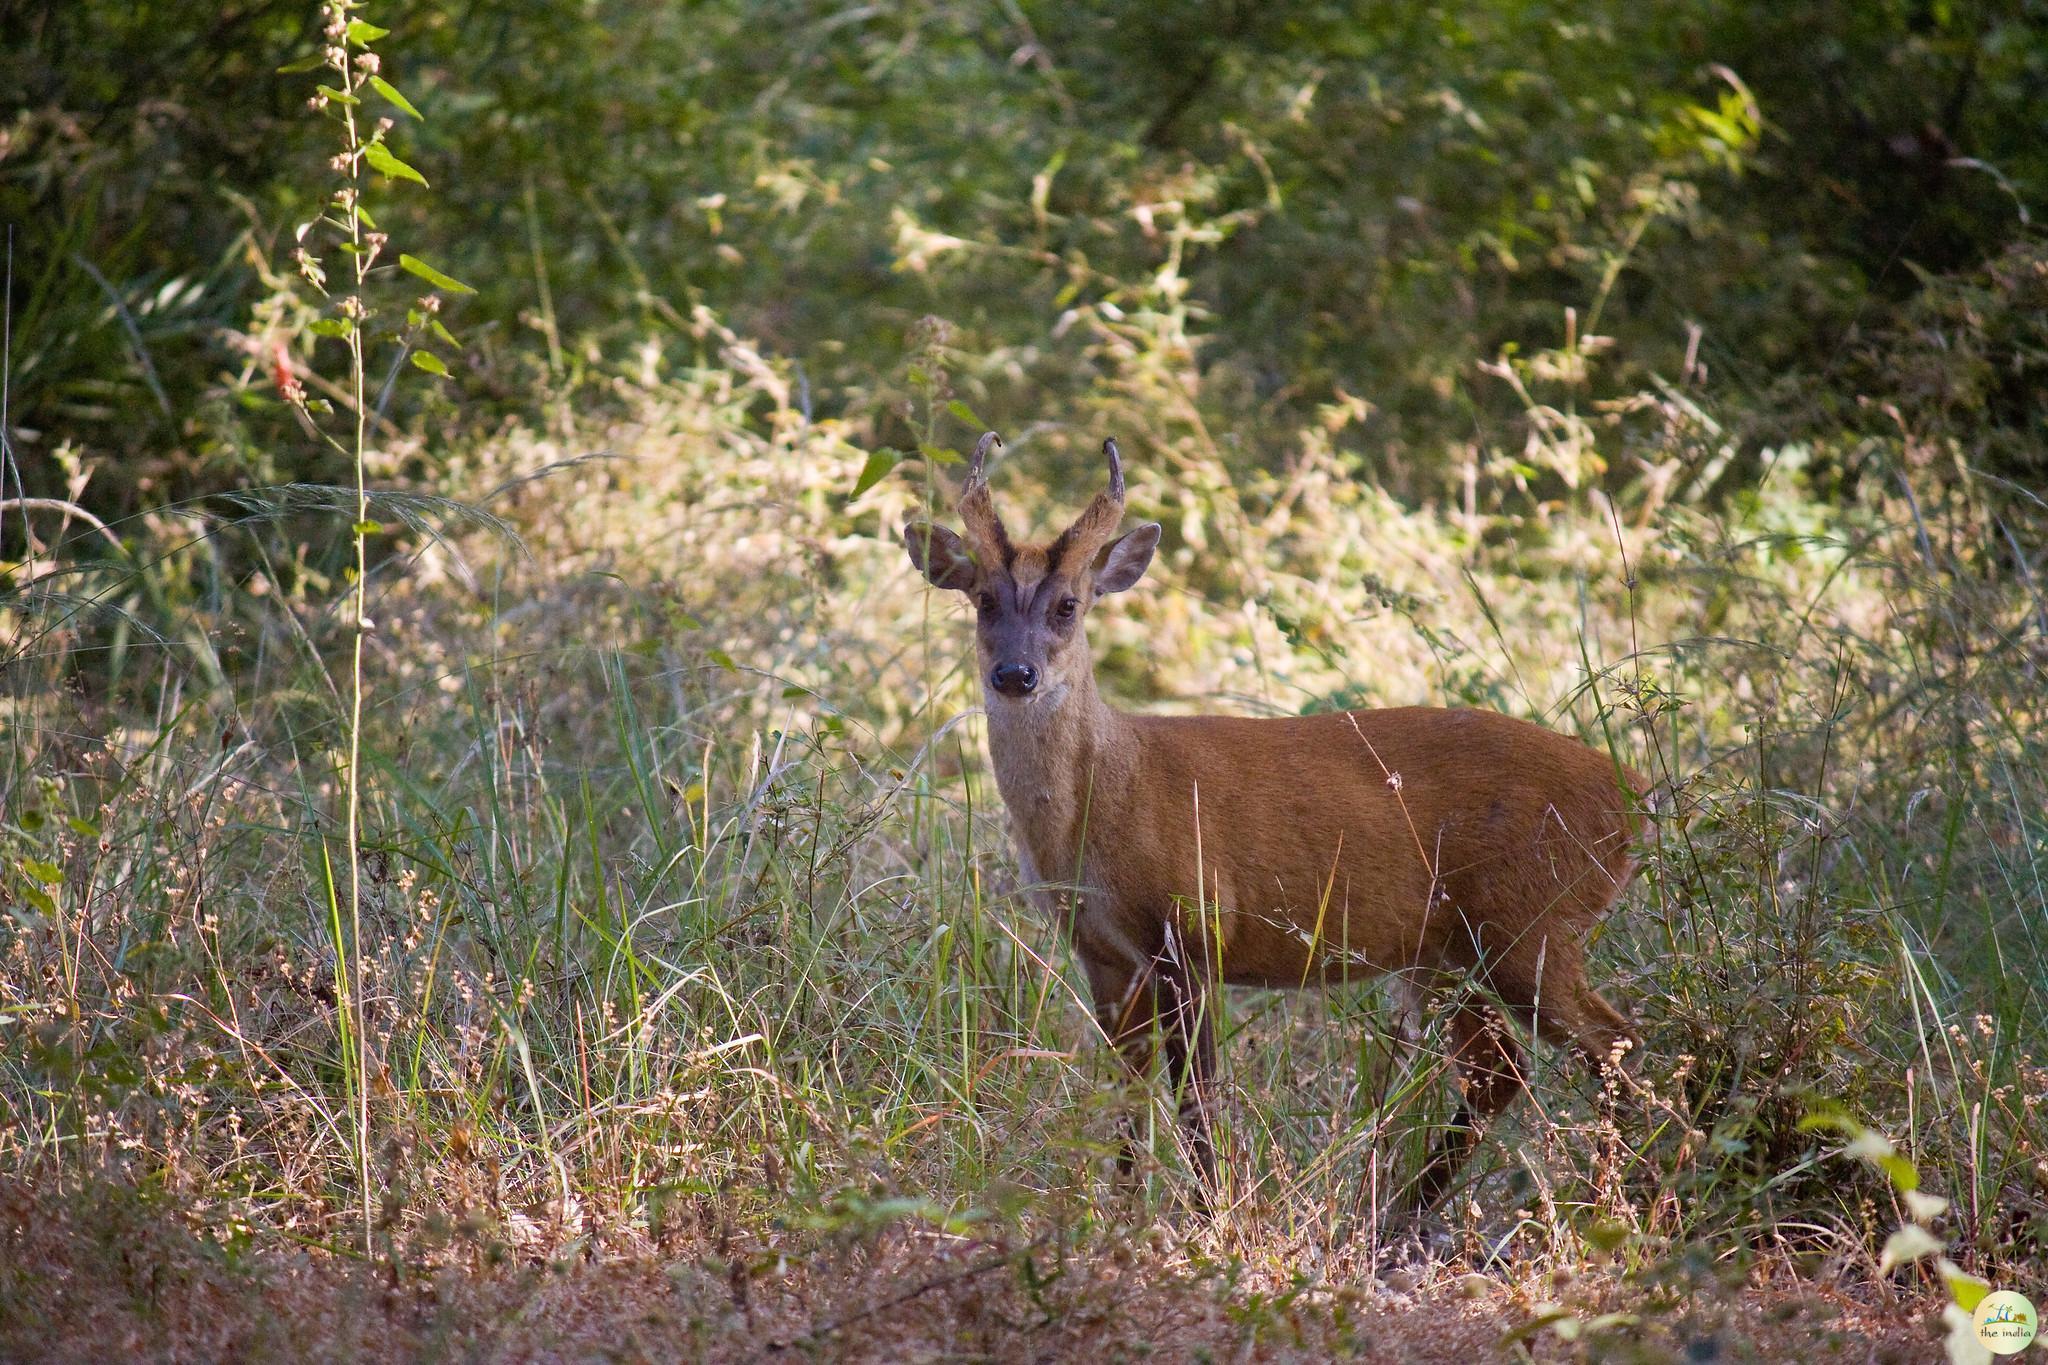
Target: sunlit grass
(683, 880)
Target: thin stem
(353, 81)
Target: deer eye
(987, 602)
(1066, 608)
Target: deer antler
(1098, 522)
(984, 529)
(975, 472)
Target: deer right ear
(940, 556)
(1119, 567)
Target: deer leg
(1547, 986)
(1488, 1064)
(1126, 1006)
(1583, 1021)
(1187, 1020)
(1596, 1032)
(1167, 993)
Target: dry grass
(98, 1270)
(690, 959)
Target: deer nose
(1013, 680)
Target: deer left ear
(939, 555)
(1120, 566)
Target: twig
(69, 509)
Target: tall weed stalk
(350, 59)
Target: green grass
(683, 880)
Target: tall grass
(684, 894)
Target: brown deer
(1203, 850)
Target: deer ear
(1121, 565)
(940, 556)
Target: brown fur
(1190, 851)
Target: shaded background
(1376, 198)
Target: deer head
(1031, 600)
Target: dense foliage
(1358, 199)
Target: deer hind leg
(1548, 987)
(1581, 1019)
(1489, 1068)
(1570, 1014)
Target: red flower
(288, 385)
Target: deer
(1191, 853)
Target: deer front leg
(1126, 1007)
(1490, 1074)
(1186, 1016)
(1164, 991)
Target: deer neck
(1061, 763)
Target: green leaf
(303, 64)
(1607, 1234)
(939, 454)
(434, 326)
(431, 363)
(339, 96)
(1547, 1315)
(49, 874)
(1830, 1120)
(365, 528)
(965, 414)
(414, 265)
(390, 92)
(879, 463)
(362, 33)
(83, 827)
(723, 660)
(1905, 1175)
(33, 820)
(1966, 1289)
(379, 156)
(329, 327)
(364, 214)
(40, 899)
